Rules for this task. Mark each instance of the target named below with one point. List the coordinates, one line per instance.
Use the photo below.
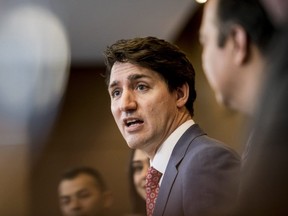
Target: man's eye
(141, 87)
(115, 93)
(64, 201)
(84, 195)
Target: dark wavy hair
(249, 14)
(75, 172)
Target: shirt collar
(163, 154)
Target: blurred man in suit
(236, 59)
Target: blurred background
(54, 105)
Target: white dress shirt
(163, 154)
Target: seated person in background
(138, 167)
(82, 191)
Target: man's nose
(75, 204)
(128, 101)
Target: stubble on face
(154, 106)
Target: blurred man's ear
(240, 44)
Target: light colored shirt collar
(163, 154)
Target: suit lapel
(171, 171)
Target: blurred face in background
(81, 196)
(216, 60)
(140, 165)
(234, 67)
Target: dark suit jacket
(201, 177)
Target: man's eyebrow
(83, 190)
(137, 76)
(114, 83)
(64, 197)
(131, 77)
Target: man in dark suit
(237, 60)
(152, 89)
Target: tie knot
(153, 177)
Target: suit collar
(171, 171)
(184, 142)
(163, 154)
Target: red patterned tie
(152, 189)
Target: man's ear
(182, 94)
(240, 43)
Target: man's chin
(131, 144)
(222, 101)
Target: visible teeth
(134, 121)
(131, 121)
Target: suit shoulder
(206, 145)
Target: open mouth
(132, 122)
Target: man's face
(80, 197)
(217, 61)
(143, 108)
